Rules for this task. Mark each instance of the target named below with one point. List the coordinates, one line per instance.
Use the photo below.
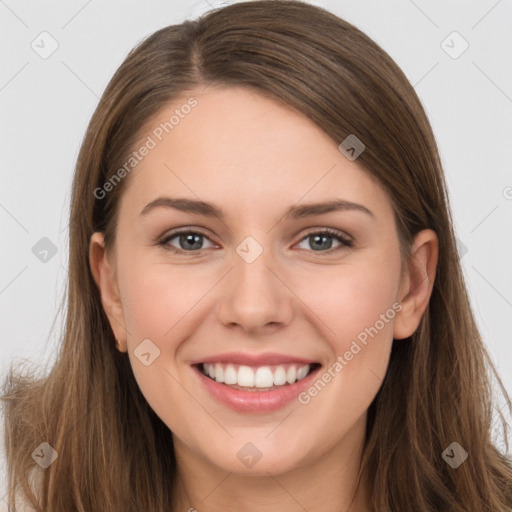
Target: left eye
(190, 241)
(319, 237)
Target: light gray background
(46, 105)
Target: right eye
(188, 239)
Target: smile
(255, 389)
(261, 378)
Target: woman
(216, 356)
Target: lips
(265, 359)
(255, 383)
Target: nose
(255, 298)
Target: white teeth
(245, 377)
(291, 375)
(230, 376)
(279, 376)
(219, 373)
(302, 372)
(261, 377)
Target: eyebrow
(294, 212)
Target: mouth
(255, 389)
(256, 378)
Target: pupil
(190, 238)
(321, 237)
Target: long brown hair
(114, 453)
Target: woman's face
(260, 288)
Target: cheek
(352, 299)
(157, 296)
(158, 303)
(356, 305)
(354, 311)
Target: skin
(293, 299)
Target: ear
(106, 280)
(416, 283)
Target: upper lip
(264, 359)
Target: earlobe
(105, 279)
(417, 284)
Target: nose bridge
(252, 274)
(254, 296)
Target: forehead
(243, 151)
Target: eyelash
(345, 242)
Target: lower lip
(255, 401)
